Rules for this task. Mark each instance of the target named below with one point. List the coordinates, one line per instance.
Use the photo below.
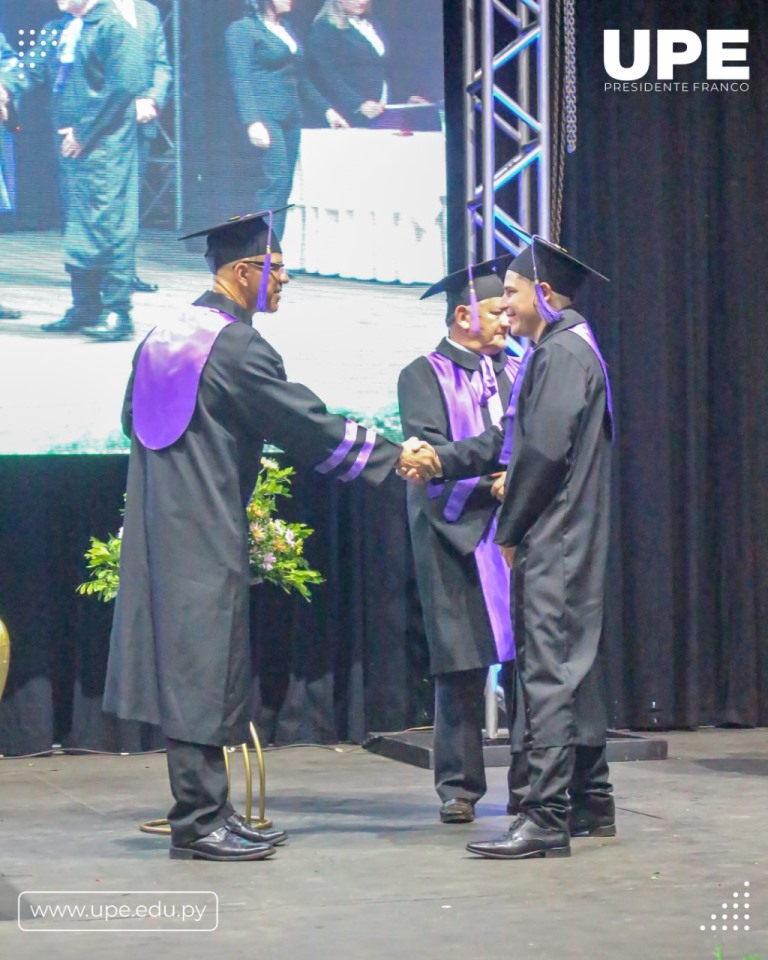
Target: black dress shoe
(111, 327)
(524, 841)
(239, 825)
(593, 819)
(222, 844)
(7, 314)
(142, 286)
(72, 322)
(457, 810)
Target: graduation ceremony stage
(369, 873)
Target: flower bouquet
(275, 548)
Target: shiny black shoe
(239, 825)
(593, 819)
(7, 314)
(143, 286)
(524, 840)
(111, 327)
(457, 810)
(222, 844)
(71, 322)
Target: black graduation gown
(180, 646)
(96, 96)
(556, 513)
(456, 620)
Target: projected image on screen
(128, 123)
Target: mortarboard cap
(249, 235)
(488, 282)
(545, 262)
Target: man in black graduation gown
(553, 529)
(95, 73)
(205, 392)
(456, 393)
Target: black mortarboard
(545, 262)
(456, 286)
(249, 235)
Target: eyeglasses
(274, 267)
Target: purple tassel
(474, 309)
(261, 303)
(545, 311)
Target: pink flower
(269, 561)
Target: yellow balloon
(5, 656)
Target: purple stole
(462, 393)
(168, 372)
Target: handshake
(418, 462)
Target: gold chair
(5, 656)
(161, 826)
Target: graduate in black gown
(205, 393)
(455, 393)
(95, 75)
(553, 529)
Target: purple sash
(584, 331)
(168, 373)
(463, 402)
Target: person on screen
(455, 393)
(271, 89)
(95, 75)
(205, 393)
(8, 62)
(144, 17)
(349, 61)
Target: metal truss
(508, 149)
(162, 186)
(507, 116)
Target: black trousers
(564, 777)
(199, 786)
(458, 736)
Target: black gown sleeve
(548, 418)
(296, 420)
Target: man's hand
(497, 487)
(509, 556)
(69, 145)
(259, 136)
(146, 110)
(335, 120)
(418, 461)
(372, 109)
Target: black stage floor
(370, 874)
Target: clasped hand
(418, 462)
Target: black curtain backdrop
(667, 194)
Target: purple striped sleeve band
(350, 435)
(362, 458)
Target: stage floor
(369, 873)
(62, 393)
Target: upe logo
(726, 55)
